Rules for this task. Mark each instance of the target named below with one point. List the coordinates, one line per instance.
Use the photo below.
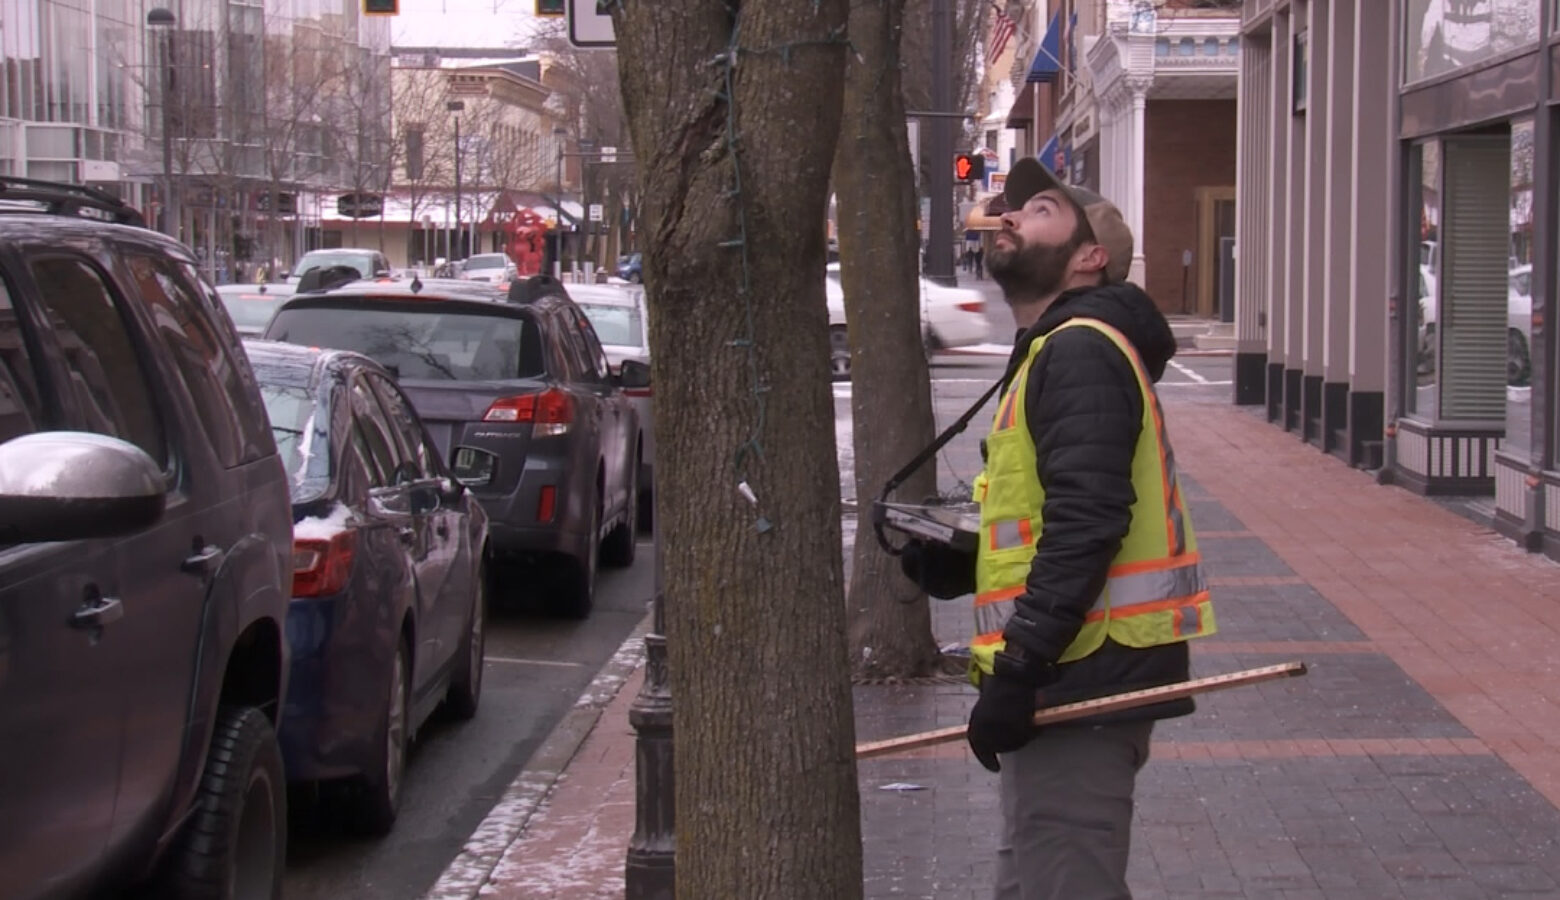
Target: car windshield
(619, 326)
(326, 259)
(1522, 283)
(420, 340)
(301, 441)
(490, 261)
(251, 310)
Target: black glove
(938, 569)
(1003, 719)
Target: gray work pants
(1067, 813)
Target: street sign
(590, 24)
(595, 212)
(359, 206)
(608, 154)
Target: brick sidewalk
(1419, 758)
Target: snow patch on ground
(469, 872)
(613, 674)
(324, 527)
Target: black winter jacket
(1084, 413)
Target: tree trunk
(890, 619)
(765, 771)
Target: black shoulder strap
(879, 512)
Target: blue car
(631, 267)
(389, 575)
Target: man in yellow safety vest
(1087, 578)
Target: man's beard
(1027, 272)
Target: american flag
(1002, 29)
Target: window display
(1425, 278)
(1445, 35)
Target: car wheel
(646, 503)
(466, 685)
(234, 846)
(576, 594)
(624, 539)
(1519, 365)
(839, 354)
(378, 798)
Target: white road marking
(1184, 370)
(534, 662)
(1204, 383)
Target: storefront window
(1445, 35)
(1519, 295)
(1424, 277)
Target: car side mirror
(473, 467)
(633, 375)
(69, 485)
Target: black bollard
(650, 873)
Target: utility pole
(162, 20)
(939, 231)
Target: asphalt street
(537, 667)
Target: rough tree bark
(890, 619)
(767, 804)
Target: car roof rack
(59, 199)
(534, 288)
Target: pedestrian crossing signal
(969, 167)
(381, 7)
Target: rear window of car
(302, 439)
(250, 309)
(363, 263)
(491, 261)
(620, 326)
(421, 341)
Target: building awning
(1022, 112)
(1047, 64)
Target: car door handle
(97, 612)
(203, 561)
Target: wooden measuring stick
(1112, 703)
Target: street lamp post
(650, 871)
(457, 107)
(162, 20)
(557, 243)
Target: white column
(1339, 241)
(1372, 155)
(1139, 88)
(1278, 196)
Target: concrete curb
(469, 871)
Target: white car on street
(1519, 322)
(950, 317)
(618, 313)
(490, 267)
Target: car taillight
(551, 411)
(322, 566)
(973, 306)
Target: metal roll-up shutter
(1475, 242)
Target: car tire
(376, 802)
(646, 511)
(466, 685)
(576, 593)
(839, 353)
(234, 847)
(1519, 364)
(621, 544)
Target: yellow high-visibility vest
(1155, 592)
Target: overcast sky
(464, 23)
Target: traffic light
(546, 8)
(969, 167)
(381, 7)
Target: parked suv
(145, 567)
